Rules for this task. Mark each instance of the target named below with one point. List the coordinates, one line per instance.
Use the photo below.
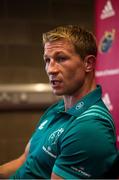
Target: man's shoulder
(98, 111)
(97, 115)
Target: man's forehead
(59, 46)
(58, 43)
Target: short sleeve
(86, 151)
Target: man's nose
(52, 67)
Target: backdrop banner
(107, 69)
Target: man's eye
(61, 59)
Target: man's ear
(89, 61)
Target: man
(75, 138)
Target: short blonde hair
(83, 40)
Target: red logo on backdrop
(106, 41)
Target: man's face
(65, 69)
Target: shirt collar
(87, 101)
(83, 104)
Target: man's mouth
(55, 82)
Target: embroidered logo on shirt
(48, 152)
(55, 135)
(79, 105)
(50, 147)
(42, 124)
(81, 170)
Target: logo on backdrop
(107, 101)
(108, 10)
(106, 41)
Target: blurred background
(22, 23)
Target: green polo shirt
(76, 144)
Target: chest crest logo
(55, 135)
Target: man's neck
(70, 100)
